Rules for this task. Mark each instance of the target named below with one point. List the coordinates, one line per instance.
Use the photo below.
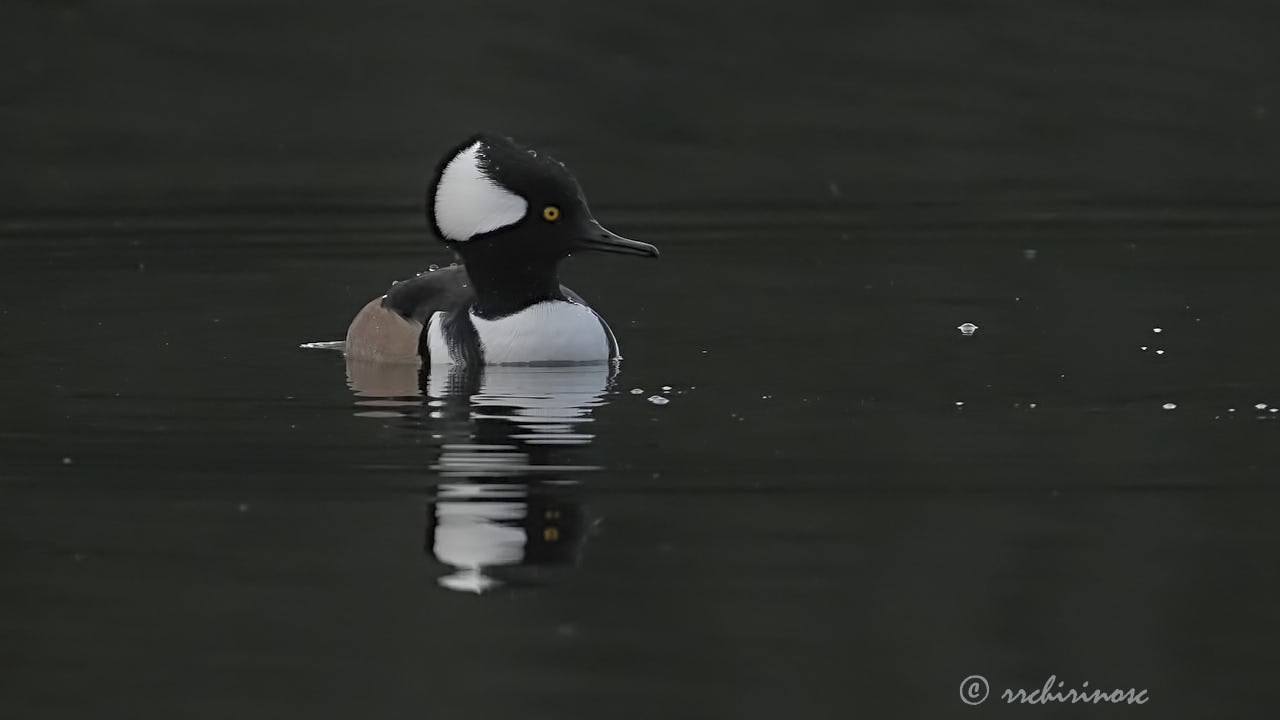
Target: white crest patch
(468, 202)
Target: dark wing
(390, 328)
(420, 297)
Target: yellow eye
(551, 213)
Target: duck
(511, 214)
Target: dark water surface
(843, 506)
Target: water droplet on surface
(658, 400)
(967, 328)
(1169, 406)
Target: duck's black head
(493, 201)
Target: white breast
(548, 332)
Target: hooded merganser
(512, 215)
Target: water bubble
(1156, 330)
(967, 328)
(1032, 406)
(1029, 254)
(1143, 347)
(959, 403)
(433, 267)
(658, 400)
(67, 461)
(636, 391)
(666, 388)
(1159, 352)
(1260, 406)
(1169, 406)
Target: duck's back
(429, 318)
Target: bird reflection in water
(506, 510)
